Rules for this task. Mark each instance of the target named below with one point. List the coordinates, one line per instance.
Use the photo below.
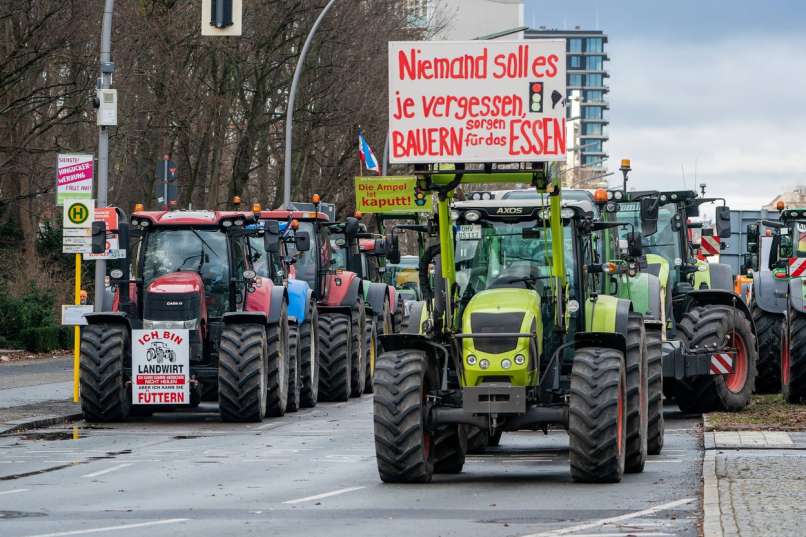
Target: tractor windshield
(338, 248)
(305, 266)
(496, 254)
(665, 242)
(204, 251)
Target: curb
(712, 514)
(42, 421)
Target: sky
(701, 91)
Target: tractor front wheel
(598, 416)
(242, 365)
(279, 362)
(309, 359)
(768, 332)
(373, 346)
(637, 396)
(336, 357)
(359, 348)
(793, 359)
(294, 378)
(403, 444)
(654, 360)
(104, 394)
(450, 447)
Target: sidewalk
(36, 393)
(754, 484)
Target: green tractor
(709, 348)
(518, 338)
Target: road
(313, 473)
(35, 381)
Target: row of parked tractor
(523, 310)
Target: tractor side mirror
(302, 241)
(271, 236)
(98, 237)
(649, 215)
(723, 222)
(635, 247)
(392, 248)
(352, 227)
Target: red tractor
(339, 297)
(191, 292)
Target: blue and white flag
(366, 154)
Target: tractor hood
(176, 300)
(176, 282)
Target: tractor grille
(495, 323)
(171, 306)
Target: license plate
(469, 232)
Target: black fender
(244, 317)
(721, 276)
(377, 294)
(353, 293)
(705, 297)
(437, 353)
(279, 295)
(607, 340)
(769, 292)
(108, 317)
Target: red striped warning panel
(721, 364)
(710, 244)
(797, 266)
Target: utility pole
(105, 82)
(292, 97)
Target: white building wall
(468, 19)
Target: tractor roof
(793, 214)
(585, 205)
(192, 218)
(284, 214)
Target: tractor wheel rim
(736, 381)
(785, 359)
(620, 418)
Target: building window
(594, 44)
(590, 160)
(594, 63)
(575, 62)
(594, 96)
(592, 129)
(595, 81)
(592, 112)
(574, 45)
(575, 80)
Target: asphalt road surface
(313, 473)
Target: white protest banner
(477, 101)
(160, 367)
(74, 177)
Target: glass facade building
(586, 57)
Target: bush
(28, 320)
(41, 339)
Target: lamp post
(292, 97)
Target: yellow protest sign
(390, 195)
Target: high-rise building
(586, 72)
(458, 20)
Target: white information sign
(477, 101)
(160, 367)
(73, 314)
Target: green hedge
(28, 321)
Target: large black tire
(450, 447)
(411, 323)
(335, 357)
(399, 316)
(104, 352)
(654, 360)
(597, 416)
(477, 440)
(637, 395)
(707, 327)
(403, 445)
(359, 349)
(242, 366)
(374, 346)
(309, 359)
(768, 332)
(494, 440)
(793, 370)
(294, 373)
(279, 365)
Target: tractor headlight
(472, 216)
(520, 359)
(471, 359)
(484, 363)
(506, 363)
(619, 195)
(116, 274)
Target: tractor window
(263, 264)
(800, 236)
(665, 242)
(203, 251)
(306, 261)
(338, 247)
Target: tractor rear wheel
(793, 360)
(104, 351)
(708, 327)
(598, 415)
(335, 357)
(279, 363)
(309, 359)
(654, 359)
(359, 348)
(242, 366)
(768, 332)
(294, 378)
(450, 447)
(637, 395)
(399, 316)
(403, 444)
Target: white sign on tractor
(477, 101)
(161, 367)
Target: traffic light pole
(292, 97)
(107, 68)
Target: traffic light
(536, 97)
(221, 13)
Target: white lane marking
(108, 470)
(271, 425)
(15, 491)
(602, 522)
(664, 460)
(112, 528)
(325, 495)
(629, 534)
